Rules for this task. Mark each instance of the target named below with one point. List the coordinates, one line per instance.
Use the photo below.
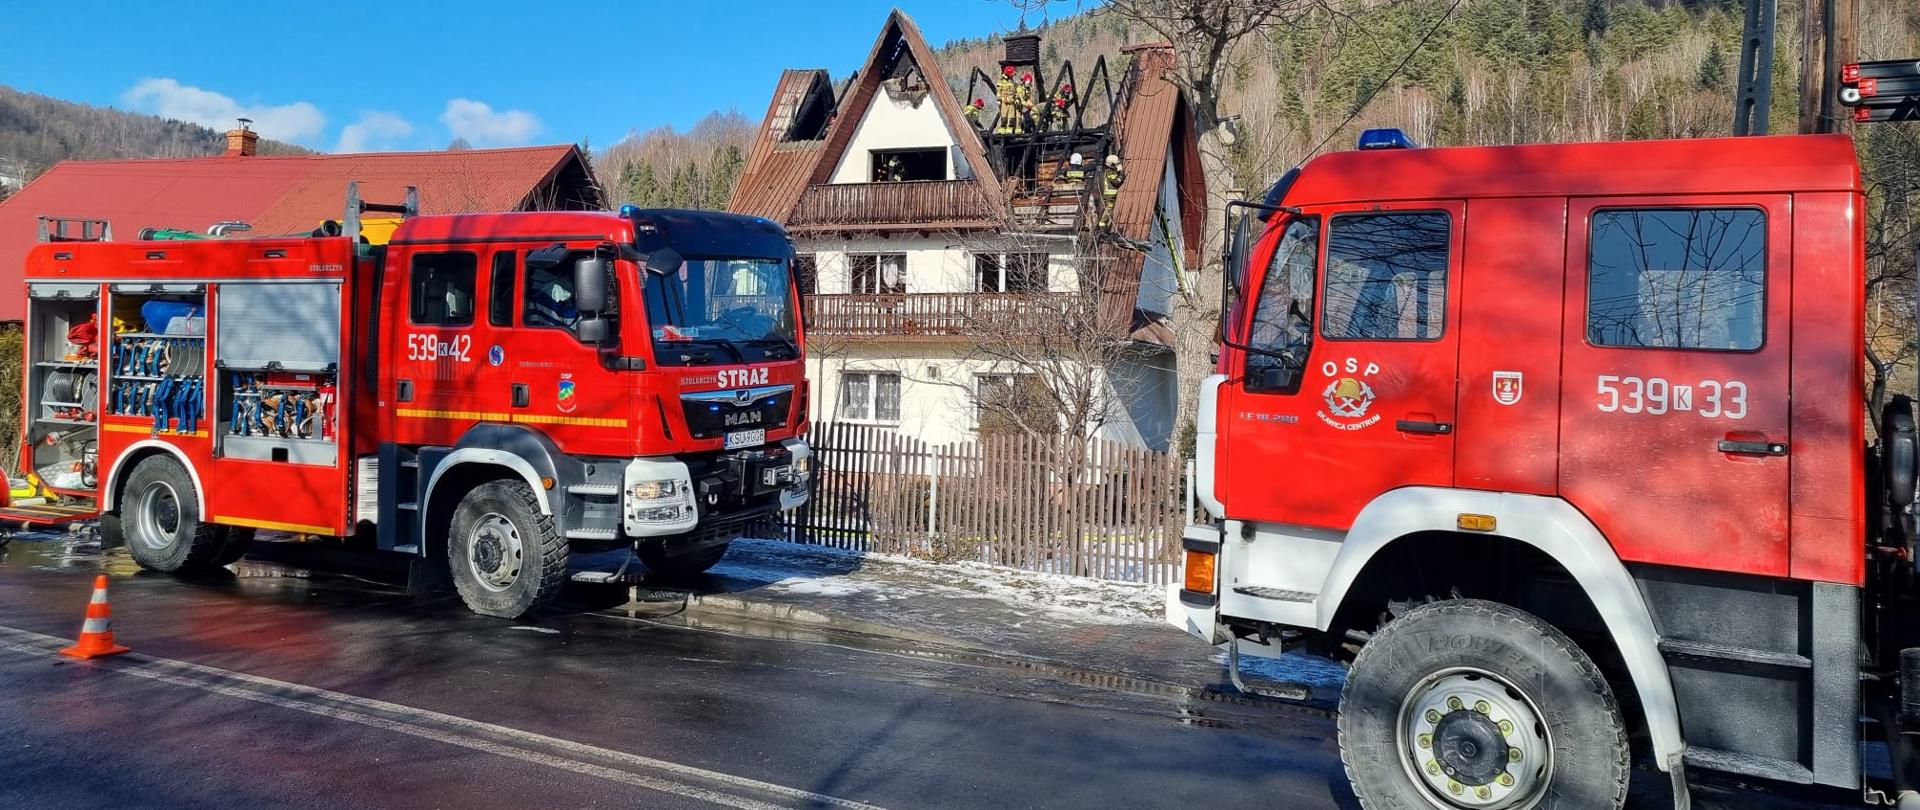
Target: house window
(806, 272)
(870, 396)
(1010, 272)
(1013, 404)
(442, 288)
(877, 273)
(895, 165)
(1678, 279)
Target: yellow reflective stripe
(522, 418)
(112, 427)
(296, 528)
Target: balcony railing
(897, 204)
(934, 315)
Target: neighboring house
(926, 241)
(281, 194)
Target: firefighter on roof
(1060, 113)
(1111, 179)
(1024, 102)
(1008, 94)
(972, 112)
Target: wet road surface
(283, 686)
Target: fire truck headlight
(1199, 578)
(669, 489)
(802, 468)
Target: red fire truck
(1562, 449)
(483, 391)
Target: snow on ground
(832, 572)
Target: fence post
(933, 495)
(1190, 497)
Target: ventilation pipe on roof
(243, 142)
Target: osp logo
(1348, 396)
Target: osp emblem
(1507, 387)
(1348, 397)
(567, 400)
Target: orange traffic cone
(96, 635)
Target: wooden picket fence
(1089, 508)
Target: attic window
(894, 165)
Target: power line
(1362, 106)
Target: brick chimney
(242, 142)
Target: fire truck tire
(680, 566)
(239, 540)
(158, 518)
(507, 559)
(1474, 704)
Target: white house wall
(937, 263)
(890, 124)
(1160, 272)
(936, 385)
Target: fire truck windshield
(715, 310)
(1282, 316)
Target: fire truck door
(1361, 305)
(435, 351)
(1674, 398)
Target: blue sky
(350, 75)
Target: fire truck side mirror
(1275, 379)
(594, 330)
(590, 284)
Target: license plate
(746, 438)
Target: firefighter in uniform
(1025, 102)
(1060, 113)
(1110, 180)
(1008, 94)
(894, 173)
(972, 112)
(1075, 175)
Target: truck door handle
(1752, 448)
(521, 396)
(1423, 427)
(403, 390)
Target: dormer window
(896, 165)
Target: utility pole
(1813, 62)
(1755, 94)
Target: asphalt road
(282, 686)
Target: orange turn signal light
(1199, 571)
(1475, 523)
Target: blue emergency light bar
(1385, 138)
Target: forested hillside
(665, 168)
(38, 131)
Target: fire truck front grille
(716, 413)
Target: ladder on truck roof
(58, 229)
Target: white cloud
(297, 122)
(480, 125)
(375, 131)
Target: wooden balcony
(933, 316)
(904, 205)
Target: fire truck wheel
(507, 559)
(680, 566)
(1474, 704)
(159, 519)
(238, 540)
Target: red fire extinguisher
(326, 409)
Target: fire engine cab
(483, 391)
(1562, 448)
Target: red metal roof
(277, 194)
(777, 169)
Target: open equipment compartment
(63, 385)
(157, 363)
(279, 361)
